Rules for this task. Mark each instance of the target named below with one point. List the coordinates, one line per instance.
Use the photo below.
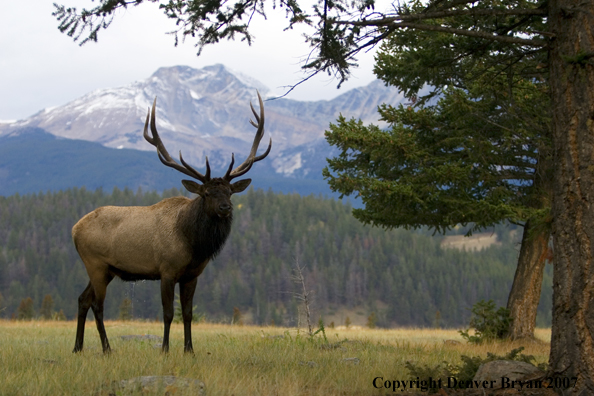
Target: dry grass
(36, 358)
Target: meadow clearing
(36, 357)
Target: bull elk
(171, 241)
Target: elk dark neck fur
(206, 234)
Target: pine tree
(126, 309)
(25, 310)
(371, 321)
(347, 322)
(47, 307)
(237, 317)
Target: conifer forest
(403, 277)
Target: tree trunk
(572, 90)
(525, 293)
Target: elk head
(215, 192)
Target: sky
(41, 67)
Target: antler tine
(162, 152)
(194, 171)
(226, 177)
(238, 172)
(207, 168)
(259, 124)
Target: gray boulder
(503, 372)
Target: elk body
(171, 241)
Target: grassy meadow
(36, 357)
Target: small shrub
(371, 321)
(177, 315)
(321, 329)
(59, 315)
(347, 322)
(469, 367)
(440, 371)
(488, 324)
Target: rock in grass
(160, 385)
(513, 370)
(352, 360)
(311, 363)
(143, 337)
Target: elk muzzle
(224, 210)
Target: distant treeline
(403, 276)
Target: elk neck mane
(206, 234)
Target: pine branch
(471, 12)
(461, 32)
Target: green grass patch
(36, 357)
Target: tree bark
(572, 90)
(525, 292)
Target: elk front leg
(167, 293)
(84, 303)
(186, 291)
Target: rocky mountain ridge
(206, 112)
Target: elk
(171, 241)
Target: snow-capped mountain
(206, 112)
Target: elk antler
(252, 158)
(164, 156)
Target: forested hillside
(405, 277)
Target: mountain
(96, 140)
(32, 161)
(206, 112)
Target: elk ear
(193, 187)
(240, 185)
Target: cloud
(41, 67)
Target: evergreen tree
(47, 307)
(26, 310)
(480, 155)
(126, 309)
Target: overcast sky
(41, 67)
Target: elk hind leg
(186, 291)
(84, 303)
(100, 288)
